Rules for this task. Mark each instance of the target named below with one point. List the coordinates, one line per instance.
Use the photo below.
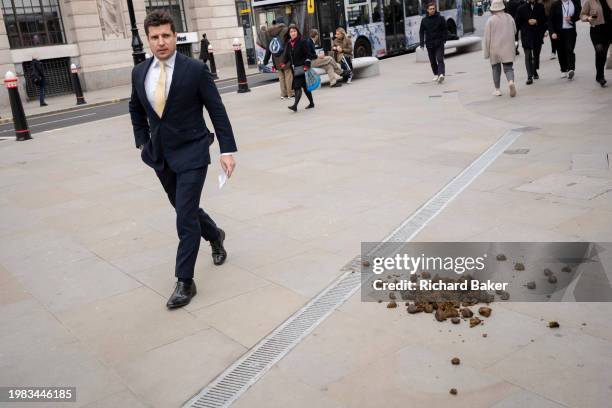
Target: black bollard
(76, 84)
(243, 85)
(213, 66)
(19, 119)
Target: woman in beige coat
(499, 45)
(599, 14)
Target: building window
(57, 77)
(32, 23)
(174, 7)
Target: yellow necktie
(160, 90)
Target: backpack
(276, 46)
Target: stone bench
(465, 44)
(363, 67)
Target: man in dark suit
(169, 92)
(531, 21)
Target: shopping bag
(313, 81)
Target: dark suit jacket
(531, 35)
(180, 137)
(556, 16)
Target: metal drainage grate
(254, 364)
(249, 368)
(516, 151)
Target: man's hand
(228, 164)
(554, 36)
(532, 21)
(141, 147)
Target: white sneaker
(435, 79)
(512, 88)
(497, 92)
(570, 74)
(441, 79)
(284, 97)
(349, 80)
(564, 75)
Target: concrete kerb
(4, 121)
(71, 109)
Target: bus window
(358, 14)
(376, 14)
(447, 5)
(412, 8)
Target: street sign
(310, 5)
(186, 38)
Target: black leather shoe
(529, 81)
(219, 254)
(182, 294)
(536, 76)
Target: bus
(378, 28)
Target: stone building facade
(95, 35)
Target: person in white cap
(499, 45)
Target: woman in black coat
(298, 55)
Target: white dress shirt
(568, 11)
(153, 77)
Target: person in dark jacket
(511, 8)
(298, 56)
(38, 77)
(204, 43)
(531, 22)
(433, 33)
(563, 17)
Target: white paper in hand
(222, 179)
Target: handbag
(298, 71)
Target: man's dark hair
(314, 33)
(158, 18)
(430, 4)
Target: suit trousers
(566, 44)
(436, 59)
(532, 59)
(184, 190)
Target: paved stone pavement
(88, 241)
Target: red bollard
(19, 119)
